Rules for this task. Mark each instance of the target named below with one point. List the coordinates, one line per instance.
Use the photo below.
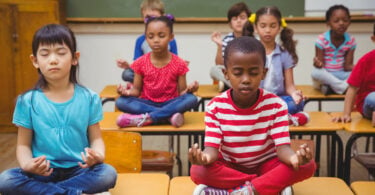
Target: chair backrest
(123, 150)
(295, 143)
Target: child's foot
(373, 119)
(287, 191)
(221, 86)
(299, 119)
(325, 89)
(138, 120)
(177, 119)
(202, 189)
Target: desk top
(141, 183)
(358, 124)
(313, 94)
(109, 91)
(207, 91)
(319, 121)
(194, 122)
(363, 187)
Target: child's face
(245, 72)
(54, 61)
(158, 36)
(237, 22)
(150, 13)
(267, 27)
(339, 22)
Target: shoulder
(88, 93)
(221, 100)
(27, 96)
(271, 99)
(228, 37)
(141, 37)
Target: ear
(171, 37)
(373, 38)
(265, 70)
(76, 56)
(34, 61)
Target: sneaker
(177, 119)
(202, 189)
(325, 89)
(287, 191)
(299, 119)
(221, 86)
(138, 120)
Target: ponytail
(286, 37)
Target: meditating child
(247, 143)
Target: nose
(53, 59)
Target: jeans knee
(370, 99)
(128, 75)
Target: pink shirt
(159, 84)
(247, 136)
(363, 77)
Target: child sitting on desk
(334, 51)
(361, 89)
(247, 142)
(149, 8)
(159, 92)
(237, 16)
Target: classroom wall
(102, 44)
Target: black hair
(237, 9)
(248, 29)
(55, 34)
(333, 8)
(166, 19)
(286, 34)
(245, 45)
(373, 30)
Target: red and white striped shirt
(247, 136)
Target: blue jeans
(128, 75)
(75, 180)
(292, 106)
(369, 105)
(158, 111)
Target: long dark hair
(51, 34)
(286, 34)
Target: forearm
(349, 100)
(219, 56)
(24, 155)
(285, 152)
(98, 146)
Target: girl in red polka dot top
(159, 93)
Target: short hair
(153, 5)
(373, 31)
(167, 20)
(237, 9)
(245, 45)
(333, 8)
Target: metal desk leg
(347, 163)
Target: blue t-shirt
(59, 129)
(142, 47)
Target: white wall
(101, 44)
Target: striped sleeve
(280, 127)
(213, 133)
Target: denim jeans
(369, 105)
(292, 106)
(75, 180)
(158, 111)
(335, 80)
(128, 75)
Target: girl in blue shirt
(59, 147)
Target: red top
(159, 84)
(363, 77)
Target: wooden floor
(8, 155)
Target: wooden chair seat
(321, 186)
(363, 187)
(155, 160)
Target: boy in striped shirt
(247, 143)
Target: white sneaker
(287, 191)
(221, 86)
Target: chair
(366, 159)
(123, 150)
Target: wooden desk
(320, 124)
(109, 93)
(359, 127)
(313, 94)
(193, 126)
(363, 187)
(141, 183)
(206, 92)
